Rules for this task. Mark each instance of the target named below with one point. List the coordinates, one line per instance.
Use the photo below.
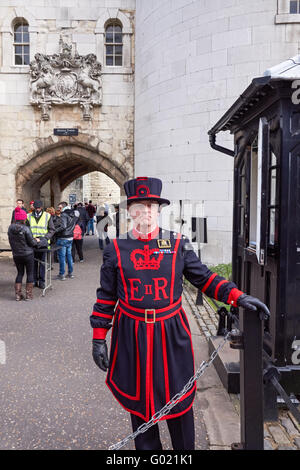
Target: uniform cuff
(233, 296)
(99, 333)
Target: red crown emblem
(146, 260)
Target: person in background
(31, 208)
(77, 243)
(41, 225)
(116, 219)
(56, 223)
(103, 221)
(91, 210)
(83, 217)
(20, 204)
(22, 244)
(69, 219)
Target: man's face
(38, 209)
(60, 207)
(19, 203)
(144, 212)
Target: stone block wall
(193, 60)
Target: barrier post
(251, 382)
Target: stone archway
(62, 160)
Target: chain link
(173, 402)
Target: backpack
(77, 234)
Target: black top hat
(37, 204)
(143, 189)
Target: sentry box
(265, 121)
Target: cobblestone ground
(52, 395)
(283, 434)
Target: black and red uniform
(151, 355)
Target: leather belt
(150, 315)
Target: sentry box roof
(249, 100)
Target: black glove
(43, 243)
(254, 304)
(100, 354)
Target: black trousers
(181, 429)
(77, 244)
(22, 263)
(39, 276)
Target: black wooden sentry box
(265, 121)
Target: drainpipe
(219, 148)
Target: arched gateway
(64, 159)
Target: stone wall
(29, 152)
(193, 59)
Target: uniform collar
(145, 236)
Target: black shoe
(36, 284)
(41, 285)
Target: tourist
(22, 244)
(68, 219)
(20, 204)
(103, 221)
(91, 210)
(41, 225)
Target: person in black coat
(116, 217)
(68, 219)
(22, 244)
(83, 217)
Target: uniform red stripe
(146, 196)
(218, 287)
(100, 314)
(233, 296)
(106, 302)
(210, 280)
(165, 360)
(158, 310)
(99, 333)
(152, 372)
(148, 371)
(121, 269)
(156, 319)
(173, 267)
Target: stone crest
(65, 79)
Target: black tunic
(151, 357)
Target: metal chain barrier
(173, 402)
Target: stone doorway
(59, 164)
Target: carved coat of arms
(65, 79)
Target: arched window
(113, 44)
(21, 43)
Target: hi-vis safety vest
(39, 228)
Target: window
(242, 199)
(273, 206)
(288, 12)
(295, 6)
(114, 44)
(253, 193)
(21, 43)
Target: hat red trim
(149, 196)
